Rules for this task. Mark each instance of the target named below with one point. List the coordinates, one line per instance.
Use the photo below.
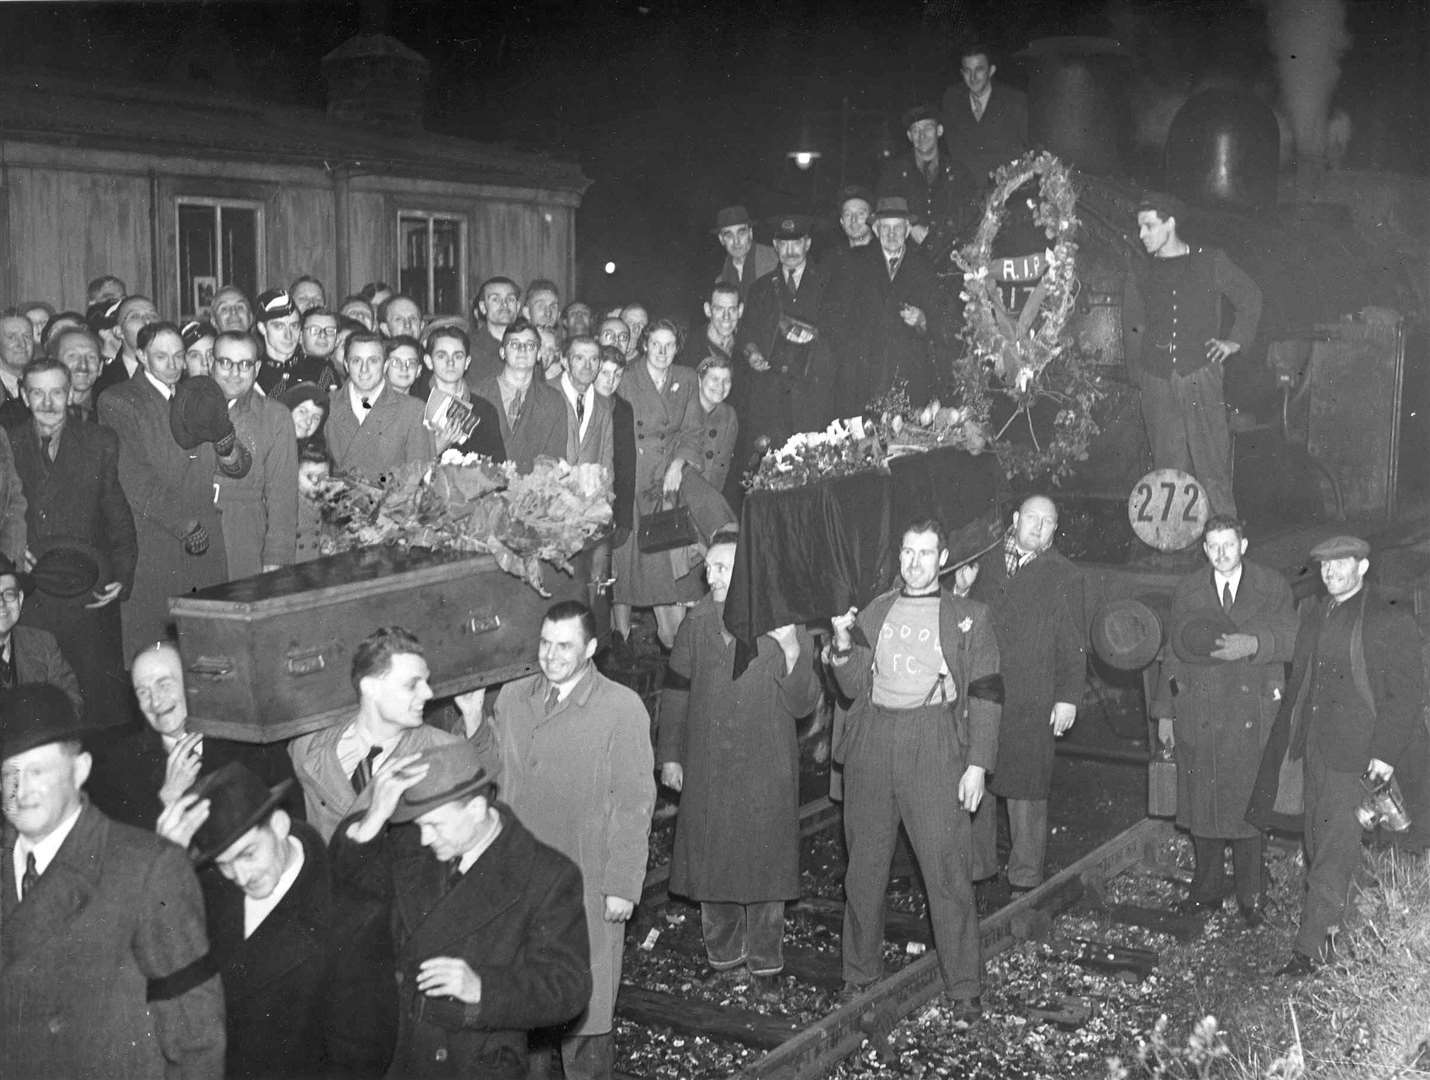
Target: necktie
(47, 444)
(513, 411)
(580, 409)
(552, 698)
(31, 877)
(362, 775)
(930, 169)
(454, 873)
(790, 282)
(977, 108)
(893, 267)
(1226, 596)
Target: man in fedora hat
(1035, 596)
(70, 473)
(784, 342)
(1216, 705)
(27, 653)
(104, 965)
(1352, 710)
(487, 921)
(745, 261)
(304, 992)
(921, 666)
(941, 196)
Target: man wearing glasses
(28, 654)
(532, 414)
(259, 511)
(320, 339)
(374, 429)
(278, 325)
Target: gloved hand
(198, 413)
(196, 542)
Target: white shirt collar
(167, 391)
(45, 850)
(353, 746)
(982, 98)
(466, 861)
(255, 911)
(1234, 580)
(355, 397)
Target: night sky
(676, 107)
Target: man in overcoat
(920, 738)
(1220, 706)
(27, 653)
(590, 438)
(104, 966)
(745, 261)
(728, 746)
(532, 414)
(72, 490)
(260, 510)
(305, 973)
(984, 125)
(374, 429)
(940, 192)
(487, 921)
(1353, 709)
(1035, 596)
(578, 772)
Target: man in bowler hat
(104, 965)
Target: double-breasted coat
(737, 837)
(1223, 710)
(102, 964)
(168, 488)
(581, 779)
(260, 510)
(515, 917)
(1037, 617)
(796, 393)
(77, 497)
(308, 996)
(390, 437)
(664, 420)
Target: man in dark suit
(305, 989)
(143, 767)
(373, 429)
(745, 261)
(70, 473)
(1035, 595)
(28, 654)
(532, 414)
(941, 196)
(984, 127)
(488, 922)
(590, 438)
(1352, 711)
(104, 967)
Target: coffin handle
(212, 667)
(481, 622)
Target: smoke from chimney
(1308, 39)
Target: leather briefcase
(666, 529)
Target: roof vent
(374, 79)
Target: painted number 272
(1146, 511)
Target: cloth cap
(921, 111)
(34, 714)
(1341, 547)
(891, 206)
(856, 191)
(274, 304)
(454, 771)
(1126, 633)
(1195, 635)
(198, 412)
(793, 227)
(731, 216)
(238, 800)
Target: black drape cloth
(817, 551)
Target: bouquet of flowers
(468, 503)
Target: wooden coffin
(269, 657)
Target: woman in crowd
(309, 407)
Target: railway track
(772, 1046)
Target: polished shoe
(1298, 967)
(964, 1010)
(766, 988)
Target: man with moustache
(532, 415)
(231, 310)
(374, 429)
(745, 261)
(70, 470)
(498, 305)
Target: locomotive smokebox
(1222, 151)
(1077, 100)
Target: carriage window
(433, 268)
(219, 243)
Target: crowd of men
(442, 890)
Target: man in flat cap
(104, 965)
(304, 990)
(941, 196)
(487, 921)
(745, 261)
(1352, 710)
(1217, 709)
(1172, 315)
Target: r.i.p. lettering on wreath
(1168, 509)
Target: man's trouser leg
(942, 834)
(871, 821)
(588, 1057)
(985, 839)
(1209, 875)
(1247, 866)
(765, 936)
(1166, 429)
(1333, 850)
(722, 924)
(1208, 437)
(1028, 826)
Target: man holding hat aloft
(745, 261)
(941, 195)
(104, 965)
(1233, 629)
(487, 921)
(1352, 710)
(304, 991)
(785, 343)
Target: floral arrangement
(1025, 358)
(859, 445)
(468, 503)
